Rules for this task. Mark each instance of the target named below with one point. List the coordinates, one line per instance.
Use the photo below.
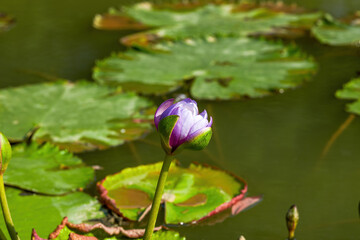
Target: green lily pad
(351, 91)
(219, 20)
(336, 33)
(45, 212)
(67, 230)
(190, 194)
(6, 22)
(76, 116)
(224, 68)
(47, 170)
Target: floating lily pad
(67, 230)
(46, 169)
(45, 212)
(6, 22)
(333, 32)
(80, 116)
(351, 91)
(224, 68)
(190, 194)
(214, 20)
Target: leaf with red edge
(191, 194)
(83, 231)
(244, 204)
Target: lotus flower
(181, 126)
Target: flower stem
(158, 195)
(2, 235)
(6, 211)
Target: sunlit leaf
(78, 116)
(44, 212)
(190, 194)
(224, 68)
(333, 32)
(218, 20)
(6, 22)
(351, 91)
(68, 230)
(46, 169)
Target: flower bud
(181, 126)
(292, 218)
(5, 153)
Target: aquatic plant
(180, 126)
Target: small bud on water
(292, 218)
(5, 153)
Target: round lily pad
(76, 116)
(221, 68)
(45, 212)
(190, 194)
(333, 32)
(219, 20)
(351, 91)
(47, 170)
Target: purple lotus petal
(189, 125)
(165, 105)
(191, 105)
(204, 114)
(186, 124)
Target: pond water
(275, 142)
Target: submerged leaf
(223, 20)
(45, 212)
(191, 194)
(224, 68)
(351, 91)
(68, 230)
(6, 22)
(46, 169)
(80, 116)
(333, 32)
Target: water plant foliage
(215, 20)
(76, 116)
(191, 194)
(334, 32)
(68, 230)
(44, 212)
(351, 91)
(47, 170)
(221, 68)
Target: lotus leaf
(190, 194)
(44, 212)
(351, 91)
(46, 169)
(224, 68)
(219, 20)
(67, 230)
(333, 32)
(77, 116)
(6, 22)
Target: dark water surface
(274, 143)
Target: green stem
(2, 235)
(158, 195)
(6, 211)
